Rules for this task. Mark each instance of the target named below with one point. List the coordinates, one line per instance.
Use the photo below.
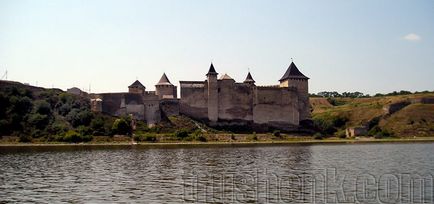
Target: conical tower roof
(249, 79)
(164, 80)
(293, 73)
(211, 70)
(226, 77)
(136, 84)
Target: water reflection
(217, 174)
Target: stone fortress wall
(217, 101)
(226, 102)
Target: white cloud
(412, 37)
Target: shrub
(201, 138)
(341, 134)
(38, 120)
(58, 127)
(4, 124)
(374, 122)
(42, 107)
(276, 133)
(181, 134)
(233, 137)
(328, 124)
(97, 126)
(25, 139)
(79, 117)
(83, 130)
(254, 136)
(121, 126)
(75, 137)
(374, 130)
(318, 136)
(145, 137)
(64, 109)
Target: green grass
(413, 120)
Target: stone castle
(215, 101)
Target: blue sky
(347, 45)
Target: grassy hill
(333, 115)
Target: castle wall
(169, 107)
(276, 105)
(235, 101)
(194, 100)
(140, 106)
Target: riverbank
(241, 143)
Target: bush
(383, 133)
(276, 133)
(25, 139)
(254, 136)
(318, 136)
(75, 137)
(341, 134)
(79, 117)
(121, 126)
(181, 134)
(38, 121)
(328, 124)
(42, 107)
(374, 130)
(97, 126)
(201, 138)
(145, 138)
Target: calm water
(366, 173)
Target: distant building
(356, 131)
(217, 101)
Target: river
(284, 173)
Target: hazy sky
(347, 45)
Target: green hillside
(333, 115)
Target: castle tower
(294, 78)
(212, 94)
(137, 87)
(249, 79)
(164, 89)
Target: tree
(39, 121)
(97, 126)
(121, 126)
(42, 107)
(77, 117)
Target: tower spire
(211, 70)
(249, 79)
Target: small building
(356, 131)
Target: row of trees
(335, 94)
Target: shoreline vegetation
(127, 141)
